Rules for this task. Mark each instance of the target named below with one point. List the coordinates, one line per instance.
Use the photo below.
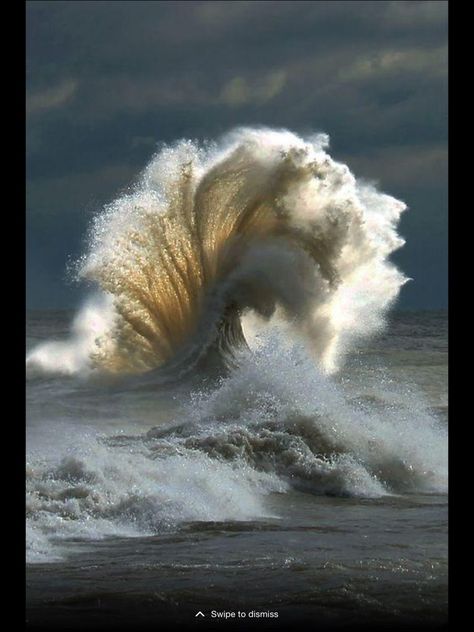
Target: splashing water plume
(263, 222)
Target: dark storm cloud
(107, 81)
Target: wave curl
(262, 222)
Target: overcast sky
(108, 81)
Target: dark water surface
(277, 491)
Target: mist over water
(230, 366)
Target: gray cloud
(108, 81)
(396, 167)
(51, 98)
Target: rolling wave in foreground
(265, 258)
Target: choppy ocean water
(272, 489)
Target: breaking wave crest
(274, 425)
(262, 223)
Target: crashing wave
(263, 222)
